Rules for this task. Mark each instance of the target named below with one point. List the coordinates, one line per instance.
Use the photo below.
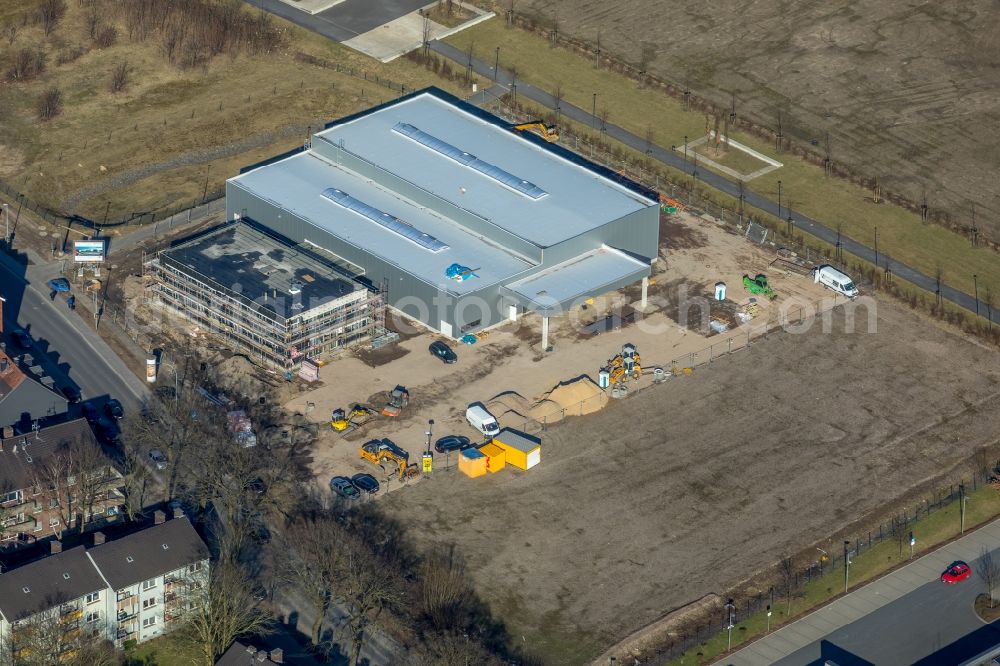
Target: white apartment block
(132, 588)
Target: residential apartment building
(55, 479)
(153, 576)
(132, 588)
(23, 398)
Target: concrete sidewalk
(859, 603)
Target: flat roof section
(576, 199)
(590, 274)
(297, 184)
(242, 259)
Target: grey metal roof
(590, 274)
(264, 269)
(576, 198)
(152, 552)
(241, 654)
(54, 580)
(296, 184)
(518, 440)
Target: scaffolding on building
(275, 328)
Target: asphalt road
(69, 351)
(346, 20)
(676, 160)
(933, 624)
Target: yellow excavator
(341, 421)
(548, 132)
(377, 450)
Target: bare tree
(46, 638)
(988, 569)
(443, 588)
(49, 104)
(312, 551)
(10, 33)
(50, 12)
(364, 590)
(228, 611)
(106, 36)
(789, 581)
(119, 76)
(26, 65)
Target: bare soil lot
(688, 488)
(903, 89)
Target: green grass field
(835, 202)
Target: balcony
(125, 632)
(125, 598)
(70, 615)
(126, 614)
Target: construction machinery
(547, 132)
(344, 422)
(398, 400)
(759, 286)
(376, 451)
(624, 366)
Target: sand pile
(509, 403)
(577, 397)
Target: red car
(956, 573)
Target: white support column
(645, 292)
(512, 313)
(545, 333)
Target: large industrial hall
(462, 222)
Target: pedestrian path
(866, 599)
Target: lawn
(165, 650)
(645, 112)
(734, 158)
(939, 527)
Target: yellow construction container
(522, 450)
(472, 463)
(496, 457)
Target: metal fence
(737, 340)
(793, 574)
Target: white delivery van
(480, 419)
(831, 278)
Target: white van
(480, 419)
(831, 278)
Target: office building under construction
(274, 300)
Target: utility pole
(593, 110)
(962, 499)
(975, 284)
(496, 66)
(876, 246)
(779, 199)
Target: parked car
(72, 394)
(443, 352)
(452, 443)
(366, 483)
(114, 409)
(956, 572)
(107, 430)
(90, 412)
(21, 337)
(157, 458)
(343, 487)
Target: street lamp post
(876, 246)
(731, 607)
(847, 566)
(779, 199)
(769, 619)
(964, 499)
(430, 433)
(496, 67)
(6, 219)
(593, 110)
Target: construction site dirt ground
(509, 360)
(693, 486)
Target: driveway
(345, 20)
